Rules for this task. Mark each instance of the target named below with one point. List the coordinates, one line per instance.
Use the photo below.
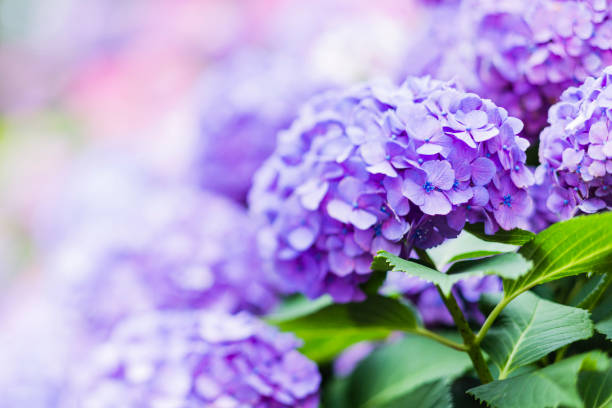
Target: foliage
(528, 352)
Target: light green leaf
(529, 328)
(473, 255)
(596, 388)
(465, 242)
(331, 329)
(549, 387)
(579, 245)
(515, 236)
(605, 328)
(406, 374)
(298, 305)
(508, 265)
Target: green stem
(473, 350)
(440, 339)
(498, 309)
(491, 318)
(467, 334)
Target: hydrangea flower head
(385, 167)
(576, 149)
(195, 359)
(522, 54)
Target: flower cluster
(170, 248)
(576, 149)
(195, 359)
(377, 166)
(243, 102)
(522, 53)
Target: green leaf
(331, 329)
(432, 395)
(579, 245)
(296, 306)
(605, 328)
(461, 399)
(406, 374)
(335, 393)
(596, 388)
(551, 386)
(515, 236)
(372, 286)
(529, 328)
(508, 265)
(473, 255)
(465, 242)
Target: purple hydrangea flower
(195, 359)
(522, 54)
(384, 167)
(244, 101)
(168, 247)
(576, 149)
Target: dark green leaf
(508, 265)
(551, 386)
(461, 399)
(432, 395)
(335, 394)
(373, 284)
(515, 236)
(331, 329)
(596, 388)
(579, 245)
(406, 374)
(605, 328)
(529, 328)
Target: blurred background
(141, 78)
(101, 99)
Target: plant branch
(491, 318)
(440, 339)
(467, 334)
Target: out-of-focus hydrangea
(38, 342)
(576, 149)
(345, 41)
(195, 359)
(378, 166)
(523, 53)
(244, 101)
(164, 247)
